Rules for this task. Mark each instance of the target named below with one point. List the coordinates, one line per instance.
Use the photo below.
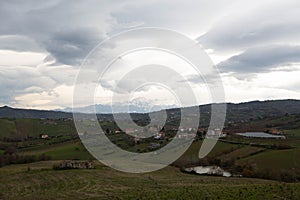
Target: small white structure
(216, 133)
(208, 170)
(44, 136)
(158, 136)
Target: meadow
(39, 181)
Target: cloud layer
(42, 44)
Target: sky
(254, 44)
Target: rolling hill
(235, 112)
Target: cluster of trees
(249, 169)
(11, 156)
(286, 175)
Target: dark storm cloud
(265, 23)
(261, 59)
(71, 46)
(67, 30)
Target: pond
(261, 135)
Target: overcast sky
(254, 44)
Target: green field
(8, 127)
(276, 159)
(26, 128)
(242, 152)
(70, 152)
(191, 155)
(41, 182)
(65, 151)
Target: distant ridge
(245, 110)
(9, 112)
(260, 109)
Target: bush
(8, 159)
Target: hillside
(261, 109)
(8, 112)
(21, 149)
(41, 182)
(240, 111)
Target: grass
(69, 152)
(65, 151)
(264, 159)
(293, 137)
(7, 128)
(243, 152)
(223, 147)
(41, 182)
(75, 150)
(191, 156)
(293, 132)
(34, 127)
(276, 159)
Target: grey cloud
(68, 30)
(210, 78)
(71, 46)
(188, 16)
(61, 75)
(13, 84)
(18, 43)
(261, 59)
(32, 80)
(266, 23)
(33, 89)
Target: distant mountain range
(235, 112)
(119, 108)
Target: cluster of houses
(215, 133)
(184, 132)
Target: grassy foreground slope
(41, 182)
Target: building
(44, 136)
